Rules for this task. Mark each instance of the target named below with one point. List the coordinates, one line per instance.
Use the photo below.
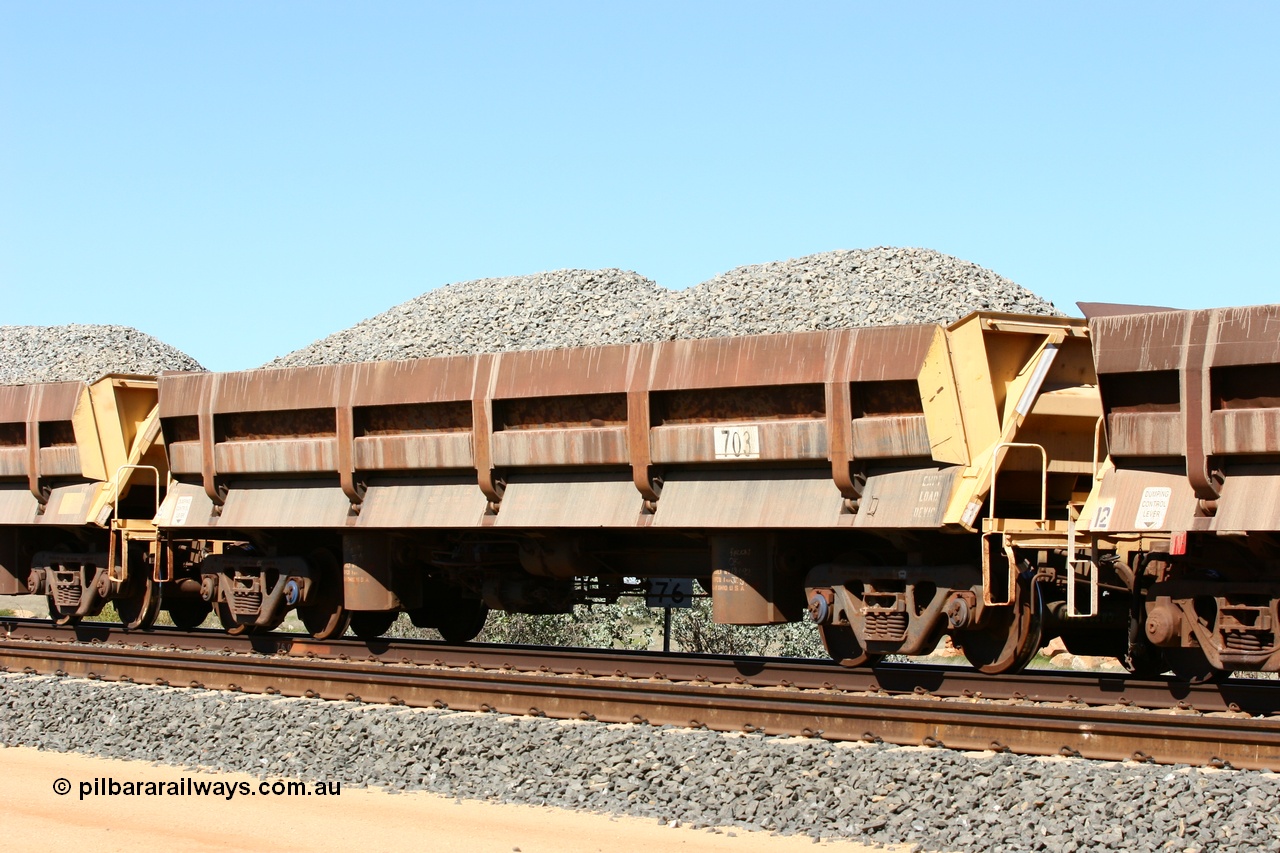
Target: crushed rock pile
(847, 288)
(77, 351)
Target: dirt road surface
(356, 819)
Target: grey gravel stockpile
(31, 354)
(862, 287)
(566, 308)
(937, 799)
(866, 287)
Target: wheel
(1141, 658)
(1010, 638)
(1191, 666)
(458, 619)
(325, 621)
(187, 613)
(138, 612)
(372, 624)
(465, 621)
(326, 618)
(138, 603)
(842, 644)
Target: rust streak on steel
(1031, 728)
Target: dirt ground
(32, 813)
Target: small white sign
(1152, 507)
(670, 592)
(181, 509)
(737, 442)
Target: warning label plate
(181, 509)
(1153, 507)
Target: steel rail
(1112, 733)
(1252, 696)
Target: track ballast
(1101, 716)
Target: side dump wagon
(81, 474)
(870, 476)
(1189, 502)
(1003, 481)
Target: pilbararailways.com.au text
(189, 787)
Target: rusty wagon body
(1001, 480)
(854, 462)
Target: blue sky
(240, 179)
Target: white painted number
(670, 592)
(739, 442)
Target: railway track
(1103, 716)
